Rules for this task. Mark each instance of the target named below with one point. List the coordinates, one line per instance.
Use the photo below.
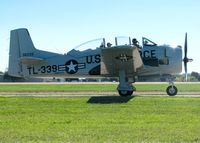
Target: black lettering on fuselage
(97, 58)
(34, 71)
(148, 54)
(89, 59)
(31, 70)
(93, 59)
(28, 54)
(153, 53)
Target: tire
(171, 90)
(125, 92)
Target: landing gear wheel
(171, 90)
(125, 92)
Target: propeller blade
(186, 74)
(185, 46)
(186, 59)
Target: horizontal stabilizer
(31, 60)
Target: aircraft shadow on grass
(109, 99)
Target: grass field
(98, 119)
(90, 87)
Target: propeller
(186, 59)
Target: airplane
(124, 58)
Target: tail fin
(20, 45)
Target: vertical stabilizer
(20, 45)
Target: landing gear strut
(171, 89)
(124, 88)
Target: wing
(119, 58)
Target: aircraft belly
(116, 59)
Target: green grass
(100, 119)
(90, 87)
(56, 87)
(162, 87)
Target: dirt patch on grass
(92, 93)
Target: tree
(196, 75)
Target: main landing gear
(125, 88)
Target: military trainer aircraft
(124, 58)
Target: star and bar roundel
(71, 66)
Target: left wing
(118, 58)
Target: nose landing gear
(171, 89)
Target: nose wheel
(171, 90)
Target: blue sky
(60, 25)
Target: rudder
(20, 45)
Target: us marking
(93, 59)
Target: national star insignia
(72, 67)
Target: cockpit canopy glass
(122, 41)
(92, 44)
(147, 42)
(101, 43)
(117, 41)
